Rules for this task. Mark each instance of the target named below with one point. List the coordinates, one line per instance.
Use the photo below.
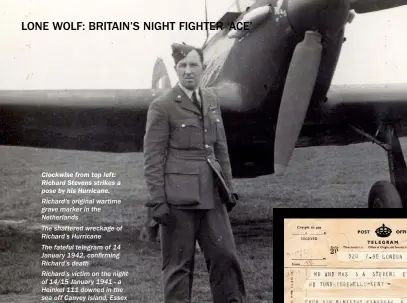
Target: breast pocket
(186, 133)
(216, 125)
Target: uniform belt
(200, 154)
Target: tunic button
(206, 146)
(217, 120)
(206, 130)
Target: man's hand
(231, 204)
(161, 214)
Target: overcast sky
(373, 53)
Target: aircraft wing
(367, 107)
(95, 120)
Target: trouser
(211, 228)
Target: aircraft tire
(383, 194)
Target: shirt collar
(189, 92)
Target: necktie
(195, 101)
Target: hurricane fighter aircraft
(273, 81)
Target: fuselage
(114, 120)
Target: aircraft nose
(325, 16)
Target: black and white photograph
(145, 144)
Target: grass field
(317, 177)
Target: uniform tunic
(185, 161)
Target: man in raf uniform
(189, 178)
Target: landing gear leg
(385, 194)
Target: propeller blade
(298, 89)
(160, 75)
(369, 6)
